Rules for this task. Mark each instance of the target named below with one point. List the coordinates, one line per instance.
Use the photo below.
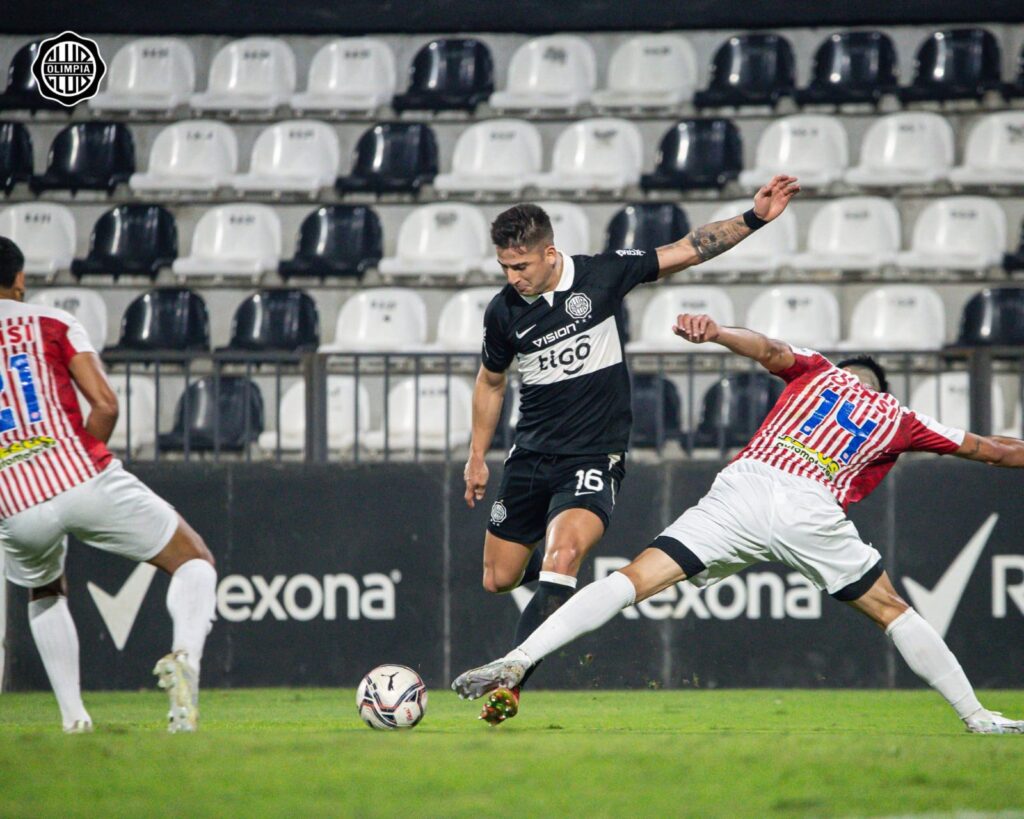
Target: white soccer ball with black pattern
(392, 696)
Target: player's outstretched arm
(995, 450)
(772, 354)
(87, 372)
(488, 396)
(713, 239)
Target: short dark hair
(868, 363)
(522, 226)
(12, 261)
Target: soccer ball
(392, 696)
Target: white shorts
(114, 511)
(755, 513)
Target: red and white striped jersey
(44, 447)
(830, 428)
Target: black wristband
(753, 221)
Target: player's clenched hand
(772, 199)
(696, 327)
(476, 475)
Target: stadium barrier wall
(328, 570)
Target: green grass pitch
(304, 753)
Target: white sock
(191, 600)
(930, 658)
(588, 609)
(54, 631)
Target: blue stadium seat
(15, 155)
(130, 240)
(954, 64)
(448, 75)
(1015, 261)
(281, 320)
(656, 411)
(749, 69)
(95, 156)
(397, 157)
(696, 153)
(734, 408)
(645, 226)
(336, 241)
(224, 413)
(1015, 88)
(851, 67)
(993, 318)
(170, 319)
(22, 93)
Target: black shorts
(534, 488)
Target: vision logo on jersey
(578, 305)
(68, 68)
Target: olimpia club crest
(578, 305)
(68, 68)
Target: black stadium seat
(281, 320)
(851, 67)
(15, 155)
(750, 69)
(224, 413)
(1015, 261)
(22, 93)
(656, 411)
(169, 319)
(336, 241)
(130, 240)
(396, 157)
(645, 226)
(696, 153)
(734, 408)
(448, 75)
(96, 156)
(959, 63)
(993, 318)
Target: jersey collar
(564, 282)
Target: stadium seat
(571, 227)
(45, 233)
(234, 240)
(897, 317)
(440, 239)
(954, 64)
(213, 413)
(149, 74)
(749, 69)
(946, 398)
(381, 319)
(280, 320)
(298, 155)
(696, 153)
(852, 233)
(85, 305)
(95, 156)
(803, 314)
(994, 317)
(650, 71)
(22, 93)
(851, 67)
(656, 411)
(497, 156)
(130, 240)
(994, 153)
(431, 413)
(646, 226)
(1015, 89)
(668, 302)
(397, 157)
(811, 147)
(957, 233)
(1014, 261)
(169, 319)
(601, 154)
(350, 74)
(734, 407)
(908, 148)
(15, 155)
(336, 241)
(341, 416)
(460, 326)
(763, 251)
(136, 425)
(448, 75)
(193, 155)
(554, 72)
(253, 74)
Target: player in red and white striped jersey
(57, 477)
(829, 440)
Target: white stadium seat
(138, 411)
(341, 416)
(804, 315)
(381, 319)
(85, 305)
(417, 417)
(349, 74)
(298, 155)
(650, 71)
(994, 153)
(193, 155)
(852, 233)
(234, 240)
(558, 71)
(460, 327)
(946, 398)
(253, 74)
(149, 74)
(571, 227)
(497, 155)
(763, 251)
(45, 233)
(811, 147)
(665, 306)
(909, 148)
(600, 154)
(897, 317)
(440, 239)
(957, 233)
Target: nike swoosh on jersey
(520, 335)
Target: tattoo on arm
(977, 446)
(717, 237)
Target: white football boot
(180, 680)
(507, 672)
(79, 726)
(992, 722)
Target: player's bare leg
(505, 564)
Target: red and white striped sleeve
(68, 334)
(925, 434)
(805, 361)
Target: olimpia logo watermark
(68, 68)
